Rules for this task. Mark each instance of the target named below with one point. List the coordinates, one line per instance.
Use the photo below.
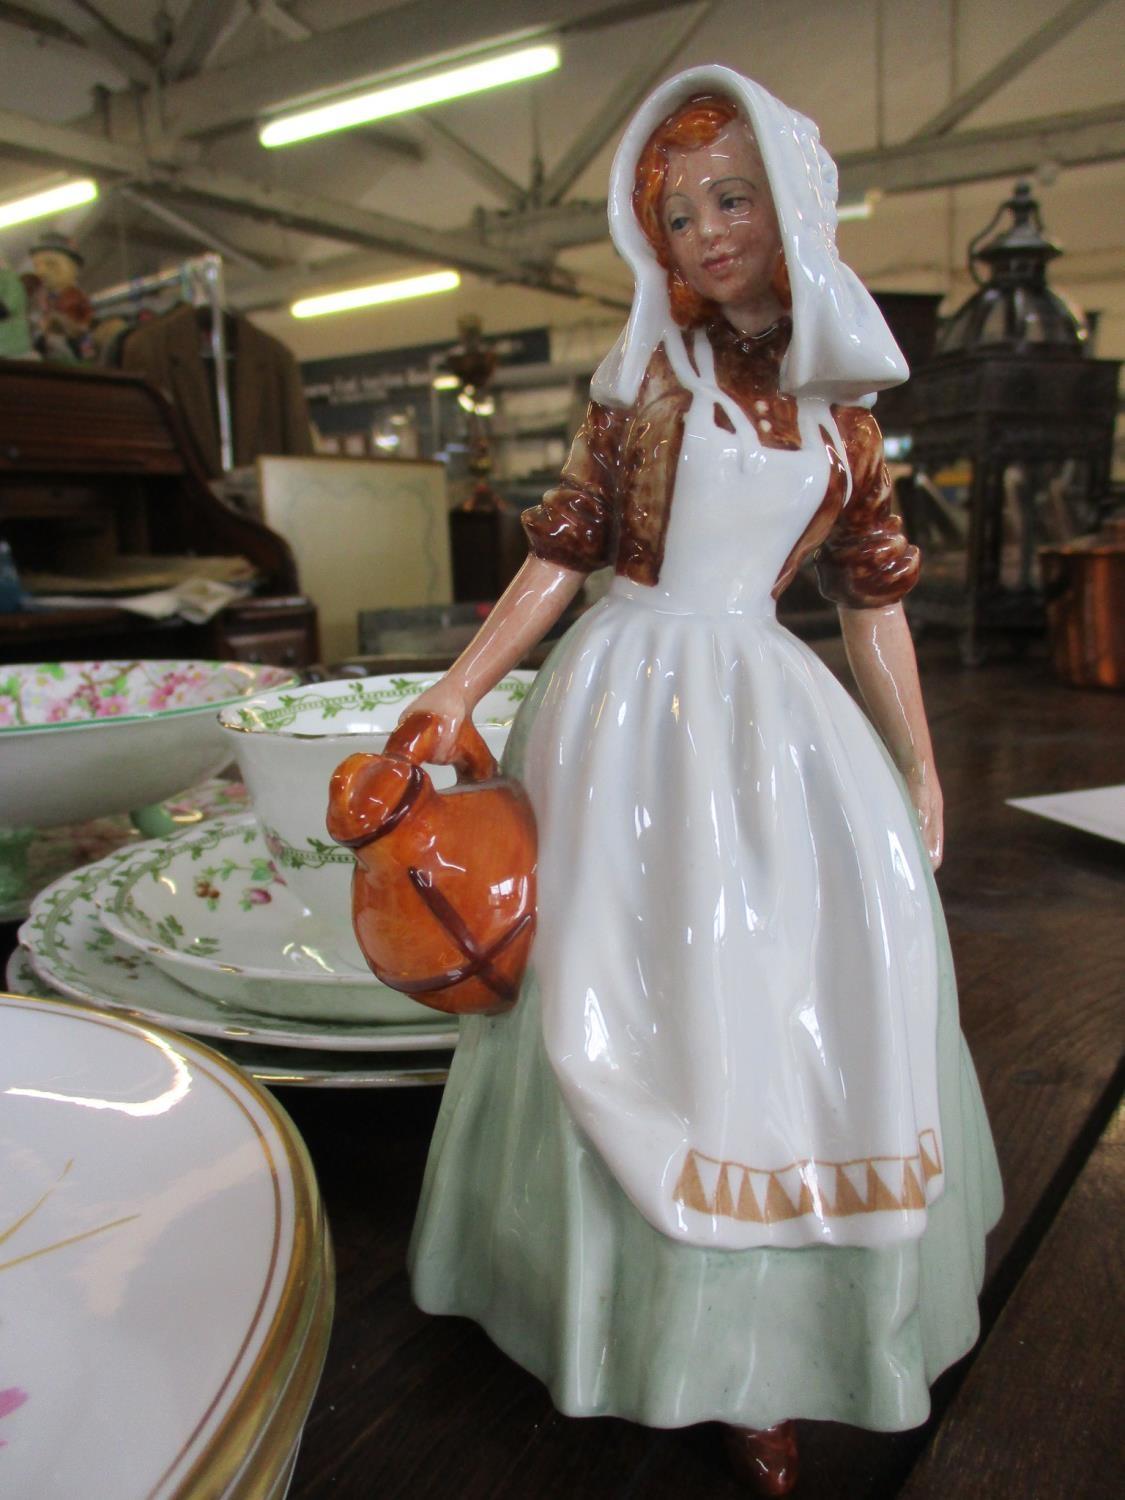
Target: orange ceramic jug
(443, 895)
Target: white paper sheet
(1100, 810)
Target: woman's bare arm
(881, 654)
(524, 613)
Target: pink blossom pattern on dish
(165, 695)
(79, 692)
(11, 1400)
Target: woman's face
(721, 225)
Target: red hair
(697, 122)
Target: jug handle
(416, 736)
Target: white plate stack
(165, 1271)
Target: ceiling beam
(173, 176)
(46, 28)
(392, 41)
(539, 232)
(68, 147)
(357, 226)
(518, 247)
(472, 161)
(240, 12)
(61, 46)
(275, 288)
(278, 17)
(200, 29)
(626, 96)
(1029, 50)
(67, 45)
(190, 230)
(129, 55)
(285, 285)
(965, 156)
(391, 143)
(1071, 140)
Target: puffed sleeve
(866, 561)
(574, 523)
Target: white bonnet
(841, 349)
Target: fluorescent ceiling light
(446, 383)
(52, 201)
(417, 93)
(859, 208)
(371, 296)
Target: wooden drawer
(283, 634)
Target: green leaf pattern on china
(314, 857)
(247, 881)
(356, 700)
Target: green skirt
(522, 1228)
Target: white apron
(735, 948)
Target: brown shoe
(765, 1457)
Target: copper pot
(1084, 587)
(443, 895)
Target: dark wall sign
(353, 392)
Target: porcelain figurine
(60, 311)
(726, 1159)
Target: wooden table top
(427, 1407)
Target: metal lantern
(1013, 427)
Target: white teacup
(289, 742)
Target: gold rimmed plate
(293, 1067)
(164, 1261)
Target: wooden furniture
(94, 465)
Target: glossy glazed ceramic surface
(53, 852)
(83, 739)
(735, 948)
(842, 349)
(288, 1067)
(289, 743)
(165, 1269)
(72, 951)
(211, 909)
(719, 1091)
(443, 895)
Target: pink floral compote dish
(85, 739)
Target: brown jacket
(613, 502)
(267, 401)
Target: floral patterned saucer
(289, 1067)
(53, 852)
(73, 952)
(211, 909)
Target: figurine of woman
(727, 1158)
